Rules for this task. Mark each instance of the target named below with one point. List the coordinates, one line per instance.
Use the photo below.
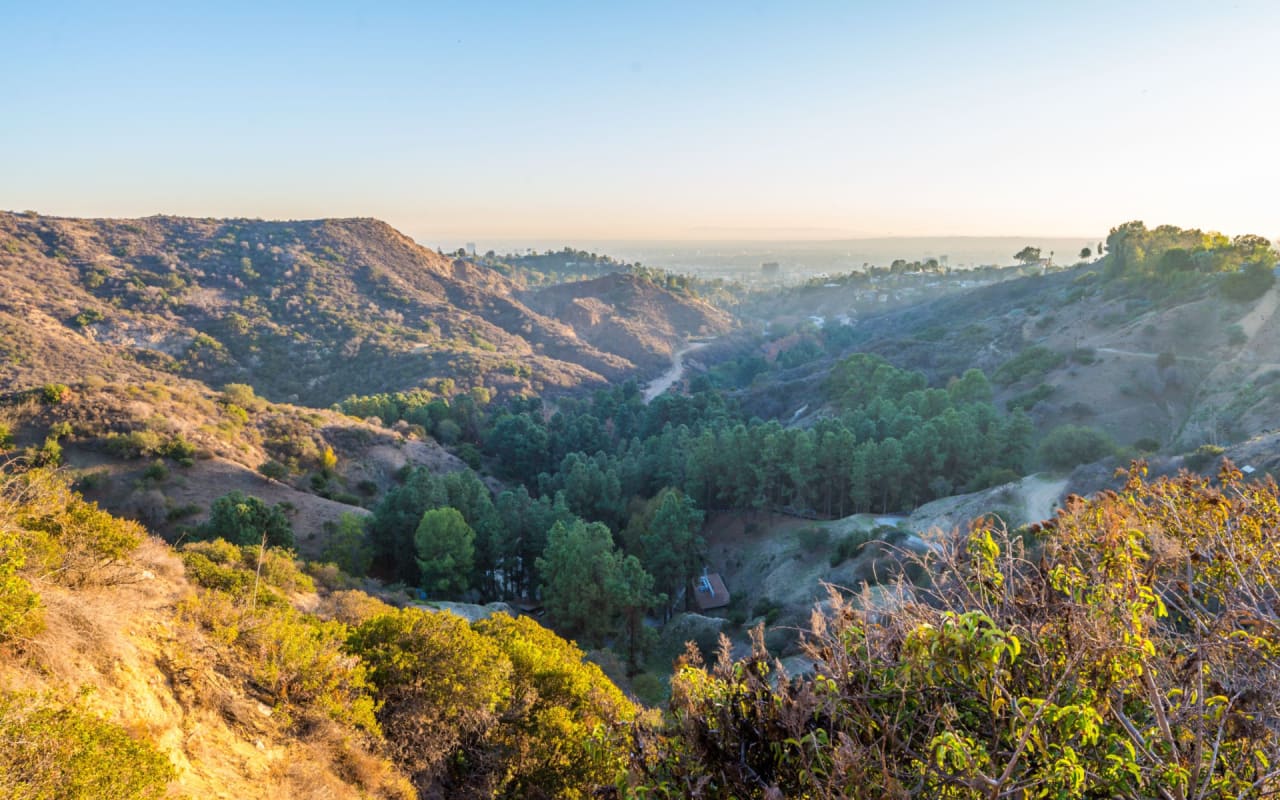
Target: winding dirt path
(668, 379)
(1039, 496)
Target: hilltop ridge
(306, 309)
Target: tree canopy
(445, 548)
(245, 519)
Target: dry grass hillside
(623, 314)
(125, 650)
(134, 693)
(308, 311)
(1165, 372)
(161, 454)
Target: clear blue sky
(479, 120)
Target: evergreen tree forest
(647, 474)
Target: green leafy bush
(19, 604)
(233, 568)
(73, 541)
(1056, 673)
(295, 658)
(813, 537)
(273, 469)
(88, 317)
(53, 393)
(1203, 456)
(1248, 284)
(1031, 362)
(54, 751)
(1067, 446)
(1028, 400)
(848, 546)
(244, 519)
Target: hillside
(307, 311)
(129, 670)
(161, 454)
(1176, 370)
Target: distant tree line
(1172, 258)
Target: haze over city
(580, 121)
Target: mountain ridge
(305, 309)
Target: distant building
(709, 591)
(471, 249)
(770, 269)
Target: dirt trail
(1262, 313)
(1134, 354)
(1039, 496)
(664, 382)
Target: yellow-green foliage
(505, 708)
(52, 751)
(216, 565)
(297, 658)
(565, 724)
(67, 540)
(227, 567)
(440, 684)
(19, 604)
(1135, 656)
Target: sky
(683, 120)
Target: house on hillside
(709, 591)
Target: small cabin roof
(709, 592)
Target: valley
(423, 446)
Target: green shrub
(1248, 284)
(156, 472)
(273, 469)
(767, 608)
(295, 659)
(848, 546)
(1147, 445)
(469, 454)
(179, 449)
(215, 565)
(19, 604)
(1067, 446)
(1031, 362)
(246, 520)
(136, 444)
(53, 393)
(813, 537)
(88, 481)
(74, 541)
(991, 476)
(183, 511)
(1203, 456)
(232, 568)
(88, 317)
(650, 688)
(52, 751)
(49, 454)
(242, 395)
(1028, 400)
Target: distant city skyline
(582, 122)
